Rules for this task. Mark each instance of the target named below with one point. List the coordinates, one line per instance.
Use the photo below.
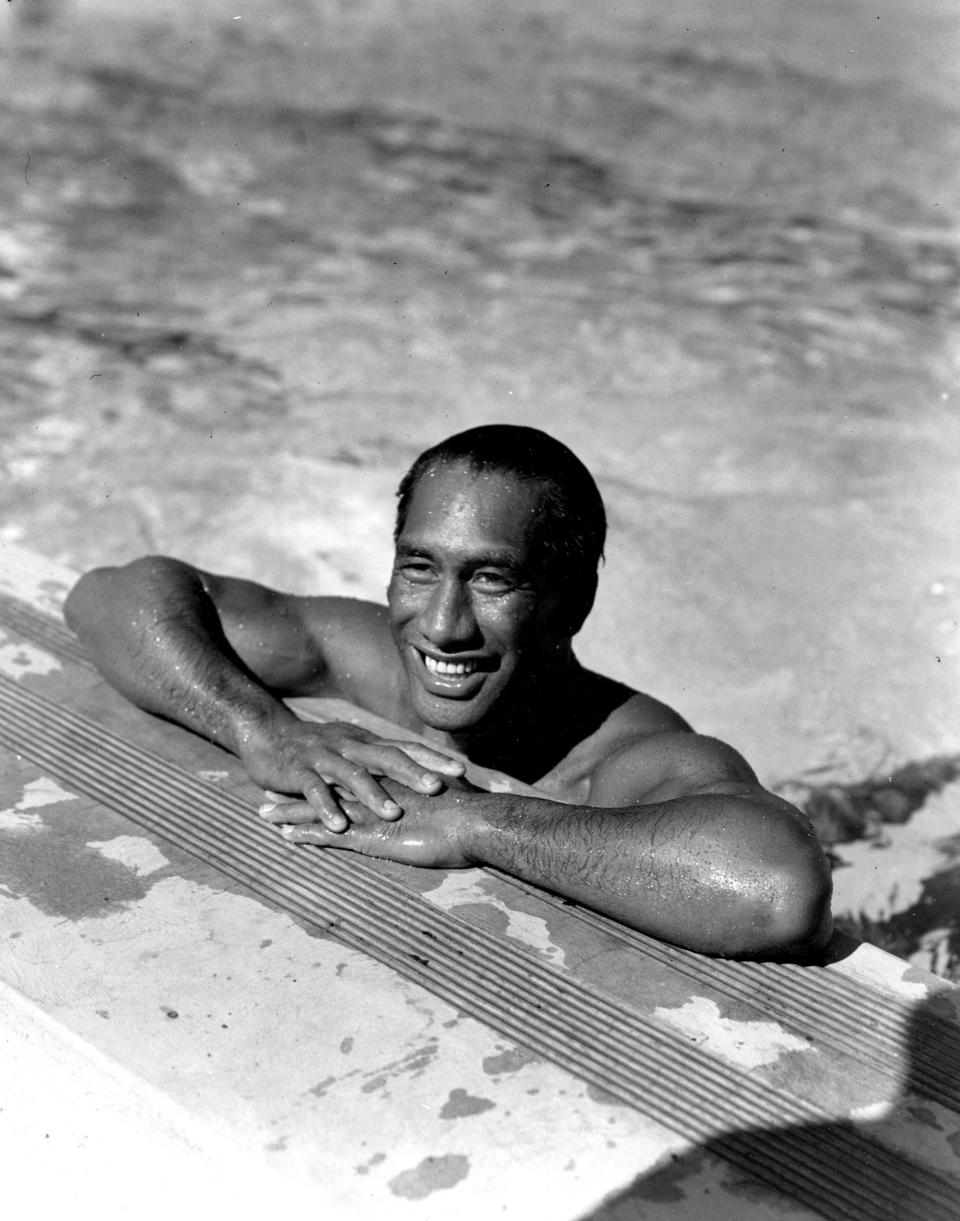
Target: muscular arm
(215, 654)
(732, 873)
(155, 631)
(707, 859)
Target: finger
(324, 804)
(379, 840)
(317, 835)
(287, 812)
(364, 840)
(427, 757)
(389, 756)
(395, 763)
(420, 752)
(277, 798)
(359, 785)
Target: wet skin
(469, 612)
(475, 617)
(642, 819)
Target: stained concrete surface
(251, 262)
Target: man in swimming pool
(499, 534)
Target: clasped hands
(336, 785)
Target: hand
(434, 831)
(334, 767)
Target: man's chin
(448, 715)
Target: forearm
(153, 633)
(722, 876)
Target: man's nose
(448, 618)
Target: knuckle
(355, 773)
(323, 758)
(318, 750)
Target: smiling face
(473, 617)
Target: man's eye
(494, 582)
(415, 570)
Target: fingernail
(266, 809)
(391, 807)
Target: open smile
(454, 668)
(460, 678)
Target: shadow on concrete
(904, 1166)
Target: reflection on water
(260, 258)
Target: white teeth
(454, 669)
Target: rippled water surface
(254, 258)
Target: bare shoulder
(661, 766)
(643, 752)
(635, 747)
(354, 638)
(306, 645)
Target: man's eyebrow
(498, 559)
(406, 548)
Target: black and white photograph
(480, 610)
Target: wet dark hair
(572, 524)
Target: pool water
(251, 262)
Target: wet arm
(679, 841)
(732, 873)
(215, 654)
(154, 631)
